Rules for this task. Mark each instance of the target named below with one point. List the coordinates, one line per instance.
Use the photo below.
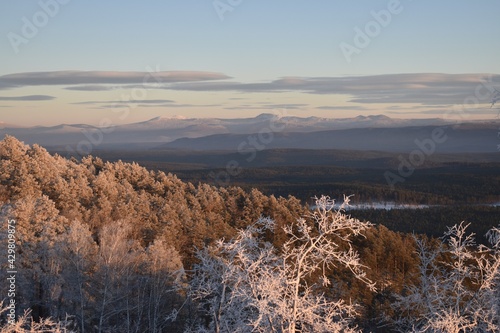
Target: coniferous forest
(115, 247)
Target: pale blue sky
(236, 67)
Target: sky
(74, 61)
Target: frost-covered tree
(133, 288)
(77, 253)
(38, 227)
(248, 285)
(165, 276)
(459, 288)
(118, 263)
(25, 323)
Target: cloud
(288, 106)
(133, 101)
(246, 107)
(267, 106)
(451, 112)
(191, 105)
(171, 104)
(428, 89)
(89, 78)
(5, 86)
(91, 87)
(146, 103)
(422, 88)
(27, 98)
(342, 107)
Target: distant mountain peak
(159, 130)
(177, 117)
(160, 118)
(373, 117)
(157, 121)
(265, 116)
(379, 117)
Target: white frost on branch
(247, 285)
(459, 289)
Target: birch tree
(165, 276)
(78, 253)
(459, 287)
(25, 323)
(115, 280)
(247, 285)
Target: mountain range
(377, 132)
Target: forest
(445, 179)
(113, 246)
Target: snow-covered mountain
(293, 123)
(163, 130)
